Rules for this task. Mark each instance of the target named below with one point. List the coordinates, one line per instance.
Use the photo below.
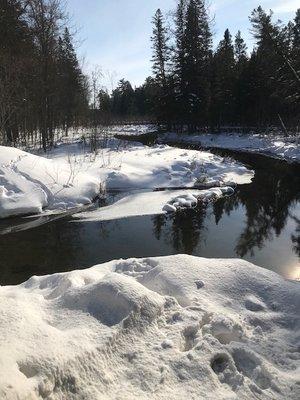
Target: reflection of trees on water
(267, 203)
(186, 229)
(296, 237)
(159, 221)
(225, 206)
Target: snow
(29, 183)
(132, 129)
(163, 166)
(287, 148)
(153, 203)
(71, 176)
(155, 328)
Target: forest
(194, 85)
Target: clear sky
(115, 34)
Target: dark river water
(259, 223)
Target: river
(259, 223)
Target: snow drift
(156, 328)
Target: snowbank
(29, 183)
(153, 203)
(142, 167)
(287, 148)
(71, 175)
(158, 328)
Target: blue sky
(115, 34)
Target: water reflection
(187, 229)
(296, 236)
(260, 222)
(267, 204)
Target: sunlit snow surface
(287, 148)
(70, 175)
(153, 203)
(177, 327)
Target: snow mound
(161, 328)
(29, 183)
(161, 166)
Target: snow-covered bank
(29, 183)
(132, 129)
(157, 328)
(286, 148)
(71, 176)
(153, 203)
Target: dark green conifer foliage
(123, 99)
(70, 81)
(196, 60)
(241, 65)
(224, 81)
(161, 66)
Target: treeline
(198, 86)
(126, 103)
(44, 91)
(42, 87)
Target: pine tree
(161, 51)
(223, 100)
(241, 65)
(72, 98)
(240, 49)
(123, 99)
(195, 82)
(268, 102)
(290, 74)
(296, 49)
(161, 65)
(178, 64)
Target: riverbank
(71, 175)
(280, 147)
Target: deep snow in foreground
(157, 328)
(71, 176)
(287, 148)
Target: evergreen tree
(266, 108)
(161, 64)
(241, 65)
(290, 74)
(296, 41)
(195, 74)
(178, 64)
(123, 99)
(223, 100)
(161, 53)
(72, 97)
(240, 49)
